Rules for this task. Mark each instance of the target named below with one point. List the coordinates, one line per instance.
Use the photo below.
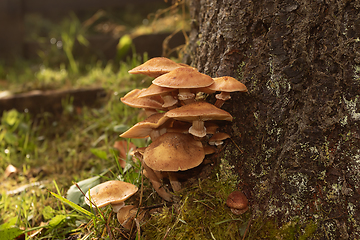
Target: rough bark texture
(298, 126)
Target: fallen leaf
(124, 147)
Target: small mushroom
(197, 113)
(237, 202)
(184, 79)
(112, 192)
(127, 214)
(156, 67)
(226, 85)
(217, 138)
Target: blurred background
(73, 36)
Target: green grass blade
(73, 205)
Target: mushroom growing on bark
(226, 85)
(184, 79)
(197, 113)
(217, 138)
(237, 202)
(156, 67)
(112, 192)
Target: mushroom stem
(221, 98)
(149, 111)
(156, 183)
(175, 184)
(154, 134)
(169, 101)
(117, 207)
(198, 129)
(186, 95)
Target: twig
(241, 151)
(167, 232)
(89, 200)
(108, 228)
(138, 227)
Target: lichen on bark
(298, 126)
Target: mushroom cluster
(181, 126)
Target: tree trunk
(296, 136)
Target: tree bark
(297, 129)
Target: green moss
(240, 71)
(200, 214)
(269, 229)
(309, 230)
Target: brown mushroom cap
(155, 67)
(144, 128)
(197, 113)
(110, 192)
(174, 152)
(126, 216)
(227, 84)
(238, 202)
(132, 99)
(154, 90)
(184, 79)
(217, 138)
